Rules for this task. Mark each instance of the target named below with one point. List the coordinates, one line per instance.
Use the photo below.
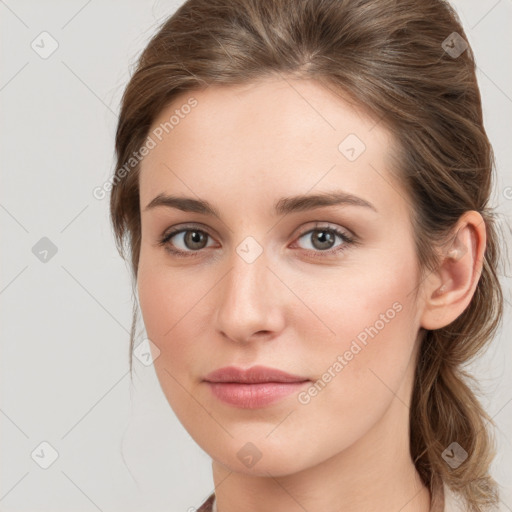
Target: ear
(449, 289)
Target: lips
(253, 375)
(256, 387)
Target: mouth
(254, 375)
(253, 388)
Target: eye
(187, 240)
(322, 239)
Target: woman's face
(268, 280)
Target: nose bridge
(248, 302)
(249, 273)
(248, 280)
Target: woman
(303, 189)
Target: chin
(260, 458)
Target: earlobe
(449, 290)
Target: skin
(241, 149)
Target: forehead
(280, 136)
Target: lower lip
(252, 396)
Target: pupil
(194, 237)
(323, 237)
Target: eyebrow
(283, 206)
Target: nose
(250, 301)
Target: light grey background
(65, 323)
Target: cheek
(373, 318)
(370, 297)
(172, 304)
(156, 301)
(165, 294)
(160, 303)
(169, 309)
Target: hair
(388, 56)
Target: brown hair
(389, 56)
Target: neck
(374, 473)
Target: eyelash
(347, 241)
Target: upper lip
(252, 375)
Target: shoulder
(207, 505)
(454, 502)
